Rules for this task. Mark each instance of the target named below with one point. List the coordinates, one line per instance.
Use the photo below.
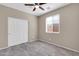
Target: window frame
(46, 24)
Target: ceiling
(28, 9)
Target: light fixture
(36, 6)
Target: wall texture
(69, 27)
(6, 12)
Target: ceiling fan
(36, 5)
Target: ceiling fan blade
(36, 3)
(41, 8)
(34, 9)
(29, 4)
(41, 3)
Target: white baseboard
(4, 48)
(60, 46)
(53, 44)
(14, 45)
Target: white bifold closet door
(17, 31)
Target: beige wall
(8, 12)
(69, 27)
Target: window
(53, 24)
